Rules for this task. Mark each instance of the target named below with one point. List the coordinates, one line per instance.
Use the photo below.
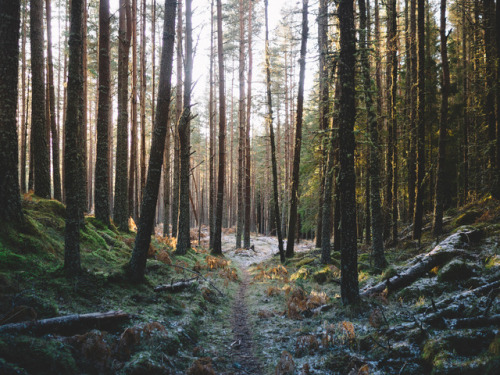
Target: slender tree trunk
(148, 205)
(24, 95)
(374, 151)
(294, 201)
(347, 180)
(465, 112)
(38, 120)
(489, 78)
(277, 218)
(246, 234)
(217, 245)
(10, 200)
(121, 213)
(51, 98)
(73, 139)
(211, 149)
(241, 127)
(324, 107)
(84, 188)
(419, 209)
(183, 235)
(102, 157)
(132, 176)
(143, 102)
(178, 113)
(443, 124)
(413, 109)
(326, 209)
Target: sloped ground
(271, 318)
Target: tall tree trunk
(38, 119)
(246, 234)
(143, 101)
(330, 171)
(178, 113)
(132, 176)
(84, 188)
(148, 205)
(73, 129)
(443, 124)
(241, 127)
(489, 78)
(413, 109)
(374, 151)
(183, 237)
(211, 148)
(51, 98)
(121, 213)
(419, 209)
(294, 201)
(347, 180)
(217, 245)
(24, 95)
(277, 218)
(465, 145)
(324, 107)
(392, 100)
(102, 157)
(10, 200)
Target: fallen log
(175, 287)
(69, 324)
(199, 275)
(480, 291)
(475, 322)
(440, 255)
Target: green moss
(37, 355)
(457, 270)
(467, 218)
(305, 261)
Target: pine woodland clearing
(249, 187)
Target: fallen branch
(440, 255)
(175, 287)
(322, 308)
(200, 275)
(68, 324)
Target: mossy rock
(302, 273)
(323, 275)
(7, 368)
(43, 307)
(467, 218)
(304, 261)
(457, 270)
(37, 356)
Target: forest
(249, 187)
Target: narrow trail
(242, 348)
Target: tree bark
(277, 217)
(241, 127)
(10, 200)
(132, 175)
(419, 209)
(24, 99)
(347, 180)
(69, 324)
(102, 157)
(38, 119)
(121, 213)
(248, 189)
(178, 114)
(51, 98)
(217, 245)
(148, 206)
(443, 124)
(183, 235)
(294, 201)
(374, 151)
(73, 137)
(211, 148)
(413, 110)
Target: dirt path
(242, 348)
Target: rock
(325, 274)
(457, 270)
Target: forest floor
(433, 310)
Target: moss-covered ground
(294, 310)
